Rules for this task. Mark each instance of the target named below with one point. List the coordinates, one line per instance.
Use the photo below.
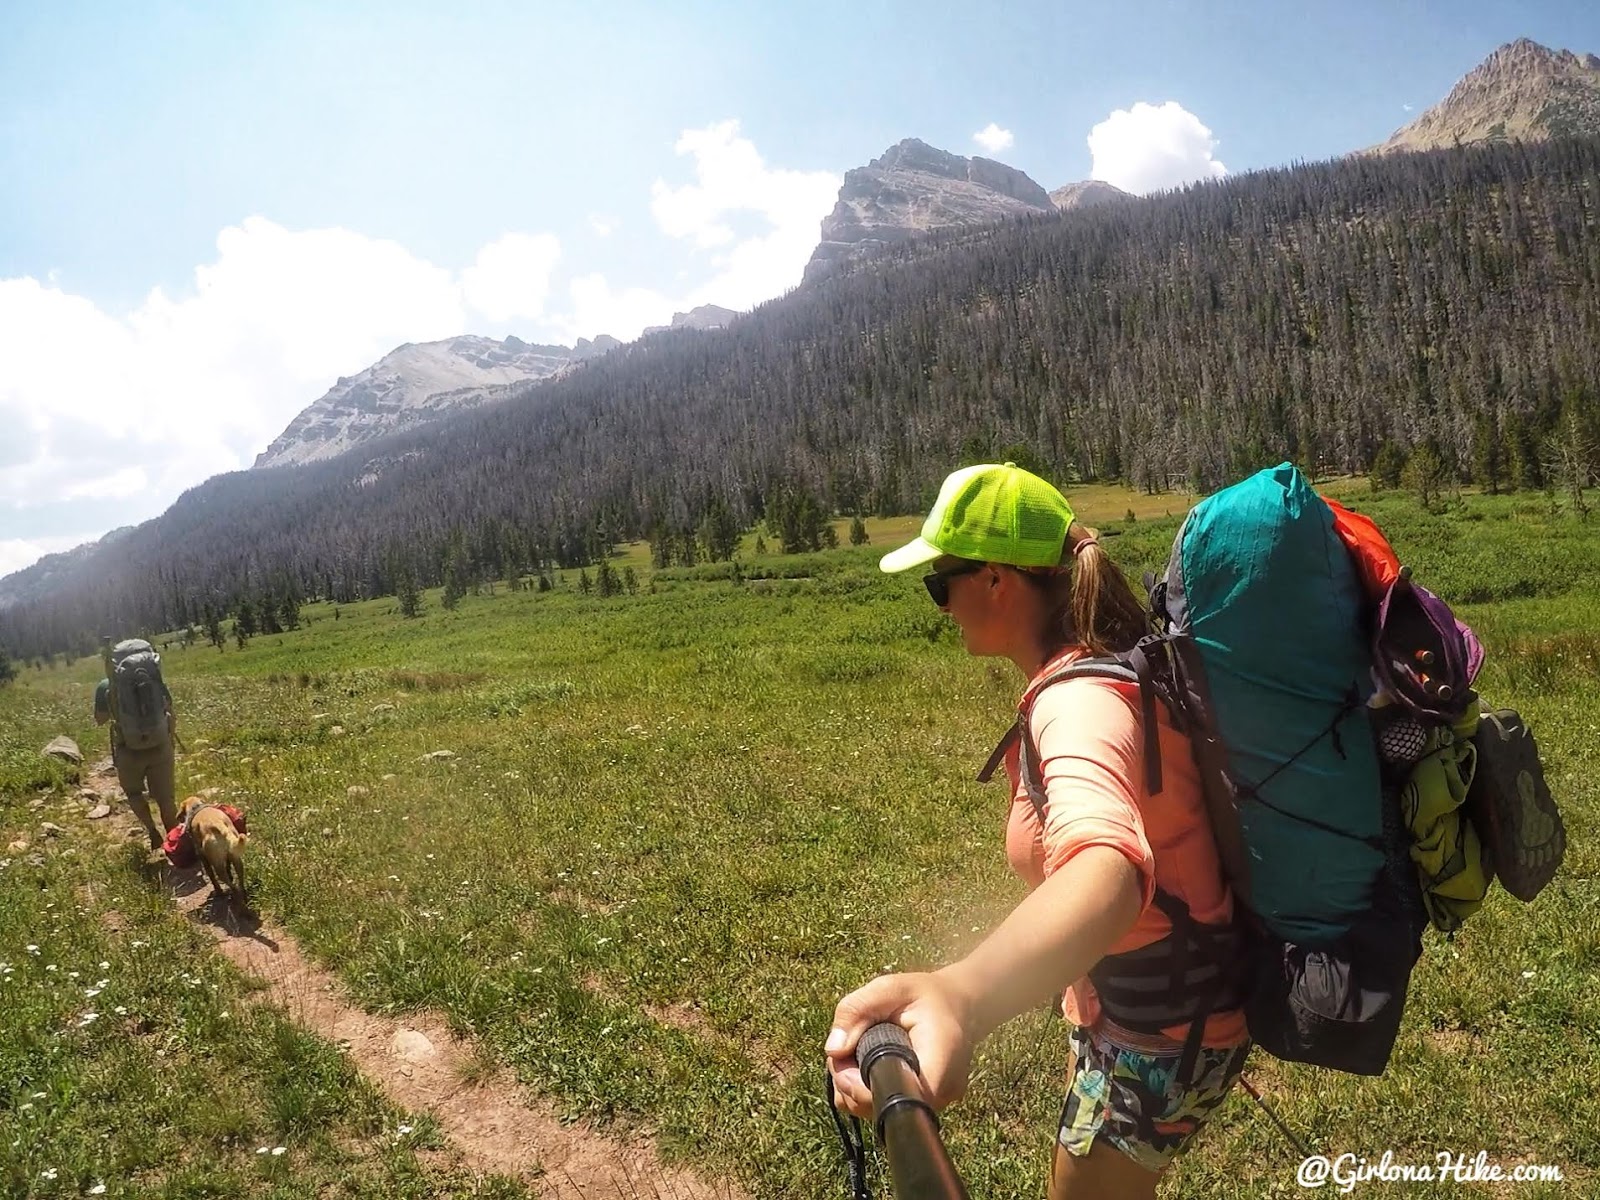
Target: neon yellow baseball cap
(990, 513)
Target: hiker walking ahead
(1127, 909)
(135, 699)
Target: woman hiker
(1121, 882)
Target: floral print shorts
(1129, 1098)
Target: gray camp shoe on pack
(1511, 805)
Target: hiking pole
(908, 1131)
(1305, 1151)
(111, 685)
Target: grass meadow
(675, 827)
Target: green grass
(738, 797)
(133, 1057)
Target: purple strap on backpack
(1423, 654)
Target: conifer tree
(244, 621)
(406, 591)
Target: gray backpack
(141, 695)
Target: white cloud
(598, 308)
(994, 139)
(511, 276)
(1407, 107)
(17, 553)
(129, 481)
(1150, 147)
(128, 411)
(732, 179)
(108, 416)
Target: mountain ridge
(414, 383)
(913, 189)
(1196, 334)
(1522, 91)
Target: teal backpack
(1263, 657)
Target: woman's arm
(1050, 940)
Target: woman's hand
(1061, 929)
(935, 1015)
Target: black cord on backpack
(850, 1139)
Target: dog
(219, 847)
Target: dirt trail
(420, 1066)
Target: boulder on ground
(100, 810)
(412, 1045)
(65, 748)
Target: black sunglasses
(938, 583)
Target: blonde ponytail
(1101, 611)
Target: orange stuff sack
(1375, 560)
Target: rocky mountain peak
(913, 188)
(1527, 55)
(1522, 91)
(415, 383)
(705, 316)
(1087, 194)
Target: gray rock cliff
(1523, 91)
(913, 189)
(415, 383)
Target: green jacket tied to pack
(1447, 850)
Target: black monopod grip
(919, 1167)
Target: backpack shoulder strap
(1133, 667)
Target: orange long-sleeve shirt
(1091, 754)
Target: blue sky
(212, 210)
